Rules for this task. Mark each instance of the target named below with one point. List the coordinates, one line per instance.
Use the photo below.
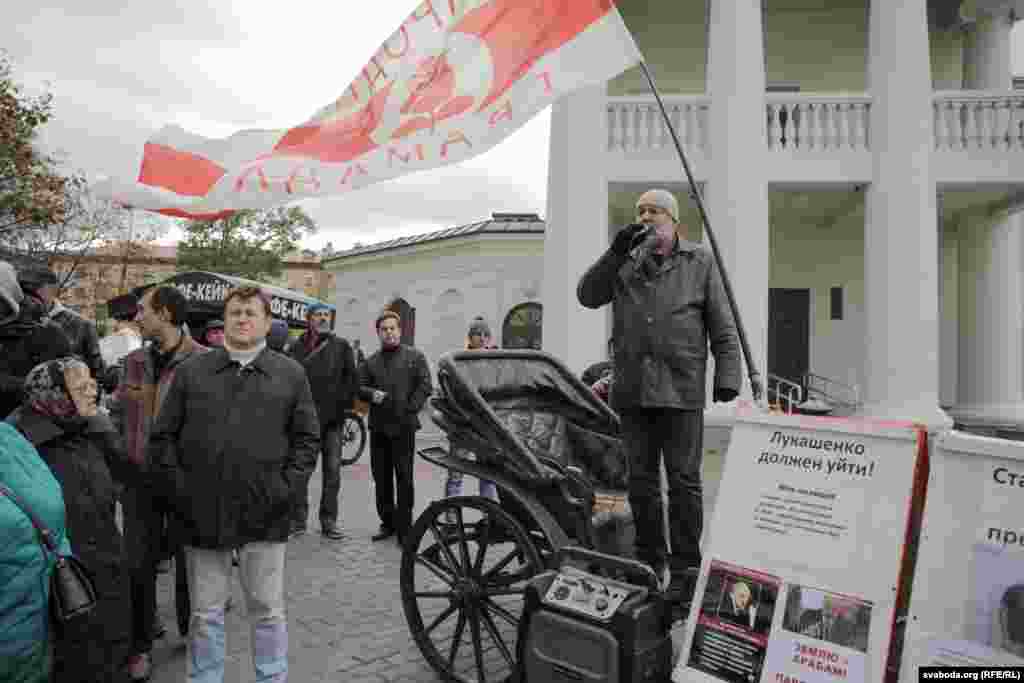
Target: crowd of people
(207, 445)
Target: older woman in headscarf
(60, 418)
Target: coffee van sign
(207, 291)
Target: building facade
(439, 282)
(862, 164)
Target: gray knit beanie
(479, 326)
(663, 199)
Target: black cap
(34, 277)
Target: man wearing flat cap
(331, 369)
(42, 283)
(668, 304)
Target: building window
(522, 327)
(836, 303)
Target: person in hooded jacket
(331, 368)
(26, 648)
(26, 338)
(277, 338)
(60, 418)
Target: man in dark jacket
(396, 381)
(234, 440)
(331, 369)
(82, 333)
(148, 374)
(667, 304)
(26, 339)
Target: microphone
(641, 237)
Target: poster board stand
(802, 565)
(967, 606)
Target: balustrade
(820, 124)
(636, 123)
(972, 120)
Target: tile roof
(499, 223)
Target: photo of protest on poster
(732, 628)
(834, 618)
(999, 598)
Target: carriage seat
(549, 434)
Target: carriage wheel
(465, 567)
(348, 438)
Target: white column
(901, 261)
(737, 193)
(991, 377)
(990, 380)
(577, 227)
(987, 53)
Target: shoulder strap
(43, 531)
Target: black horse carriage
(520, 419)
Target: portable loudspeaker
(580, 626)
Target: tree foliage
(248, 244)
(85, 224)
(32, 192)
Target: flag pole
(757, 388)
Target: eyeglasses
(653, 210)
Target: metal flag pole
(756, 386)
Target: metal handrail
(827, 392)
(784, 390)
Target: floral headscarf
(46, 391)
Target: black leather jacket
(664, 316)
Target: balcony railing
(636, 123)
(819, 123)
(974, 120)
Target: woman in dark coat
(59, 417)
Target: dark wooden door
(522, 327)
(789, 328)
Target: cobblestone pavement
(345, 616)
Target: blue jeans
(453, 483)
(261, 569)
(453, 486)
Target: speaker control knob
(601, 604)
(561, 593)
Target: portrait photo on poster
(999, 597)
(731, 634)
(833, 618)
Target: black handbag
(72, 589)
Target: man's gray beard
(324, 327)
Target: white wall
(448, 285)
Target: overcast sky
(119, 71)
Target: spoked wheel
(465, 567)
(348, 437)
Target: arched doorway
(522, 327)
(408, 315)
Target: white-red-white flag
(456, 78)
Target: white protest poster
(967, 607)
(803, 558)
